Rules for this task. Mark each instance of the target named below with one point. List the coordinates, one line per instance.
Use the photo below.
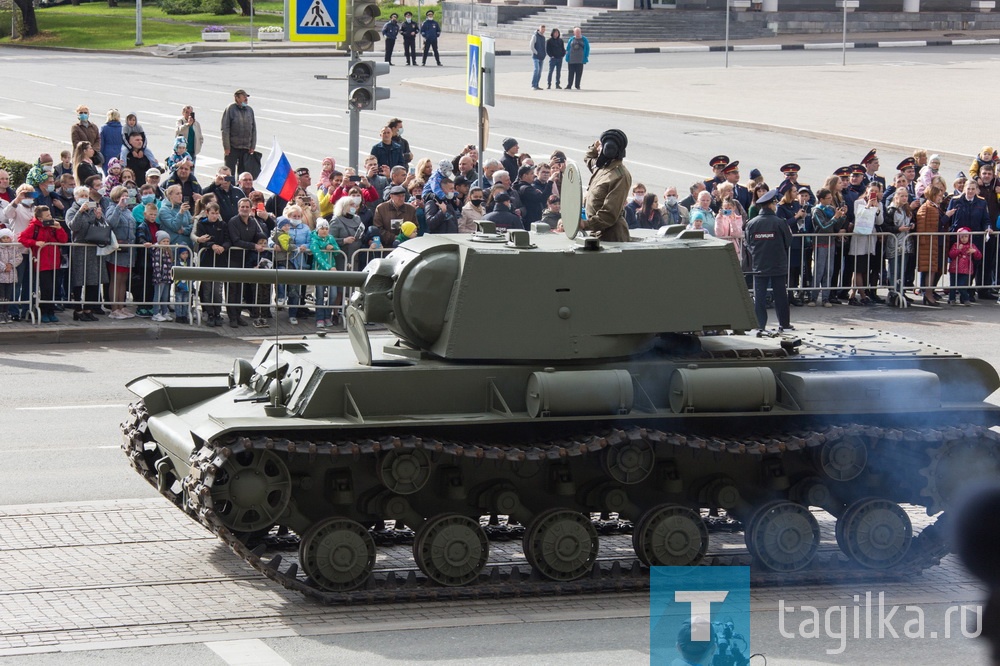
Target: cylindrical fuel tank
(579, 393)
(722, 390)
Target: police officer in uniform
(409, 30)
(389, 32)
(769, 240)
(731, 174)
(871, 164)
(717, 163)
(791, 173)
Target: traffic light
(361, 79)
(363, 34)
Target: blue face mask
(148, 198)
(83, 116)
(245, 104)
(50, 188)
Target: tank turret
(531, 297)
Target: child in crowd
(114, 177)
(10, 259)
(407, 230)
(182, 288)
(132, 125)
(963, 255)
(65, 164)
(143, 287)
(323, 245)
(162, 263)
(39, 237)
(179, 155)
(326, 173)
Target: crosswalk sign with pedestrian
(473, 70)
(317, 20)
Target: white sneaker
(282, 302)
(126, 314)
(828, 304)
(320, 323)
(293, 321)
(811, 304)
(117, 314)
(158, 317)
(167, 317)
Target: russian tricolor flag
(277, 176)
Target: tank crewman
(610, 184)
(731, 174)
(769, 240)
(717, 163)
(791, 173)
(871, 164)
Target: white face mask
(638, 198)
(356, 200)
(450, 195)
(671, 201)
(351, 210)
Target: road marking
(36, 449)
(44, 83)
(325, 129)
(59, 407)
(251, 652)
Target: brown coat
(385, 213)
(89, 133)
(928, 257)
(606, 196)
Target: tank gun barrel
(271, 276)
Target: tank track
(828, 567)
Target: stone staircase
(656, 25)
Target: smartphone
(413, 170)
(260, 206)
(354, 179)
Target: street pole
(354, 121)
(251, 26)
(138, 22)
(844, 40)
(728, 2)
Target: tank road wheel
(561, 544)
(630, 462)
(670, 535)
(451, 549)
(338, 554)
(844, 459)
(251, 490)
(876, 533)
(405, 472)
(783, 536)
(954, 466)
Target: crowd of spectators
(128, 218)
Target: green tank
(542, 386)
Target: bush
(218, 7)
(180, 6)
(17, 169)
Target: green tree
(29, 24)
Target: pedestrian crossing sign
(317, 20)
(473, 71)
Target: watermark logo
(699, 616)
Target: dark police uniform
(769, 240)
(409, 30)
(389, 32)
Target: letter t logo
(701, 606)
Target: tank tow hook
(163, 469)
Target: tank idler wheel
(876, 533)
(783, 536)
(561, 544)
(338, 554)
(670, 535)
(251, 490)
(405, 472)
(451, 549)
(629, 463)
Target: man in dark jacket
(239, 134)
(189, 184)
(430, 30)
(537, 56)
(246, 240)
(502, 216)
(389, 32)
(226, 193)
(442, 215)
(533, 195)
(388, 152)
(212, 251)
(971, 211)
(509, 159)
(769, 239)
(409, 31)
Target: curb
(19, 335)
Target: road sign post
(479, 86)
(317, 20)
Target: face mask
(409, 20)
(82, 200)
(50, 188)
(148, 198)
(48, 168)
(356, 200)
(638, 198)
(131, 192)
(27, 204)
(351, 210)
(477, 202)
(399, 132)
(83, 116)
(245, 104)
(671, 201)
(450, 195)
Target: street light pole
(844, 39)
(138, 22)
(728, 3)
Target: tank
(543, 386)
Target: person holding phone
(867, 222)
(175, 216)
(190, 130)
(86, 270)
